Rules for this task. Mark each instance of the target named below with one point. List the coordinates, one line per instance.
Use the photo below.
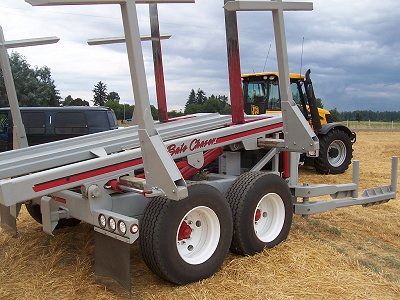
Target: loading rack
(191, 187)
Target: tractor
(261, 96)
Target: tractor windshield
(261, 94)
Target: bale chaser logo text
(193, 145)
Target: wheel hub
(184, 231)
(333, 152)
(258, 215)
(269, 217)
(198, 235)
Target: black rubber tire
(322, 164)
(34, 210)
(158, 230)
(243, 197)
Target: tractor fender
(331, 126)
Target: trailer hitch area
(135, 185)
(8, 218)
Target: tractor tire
(262, 212)
(335, 153)
(187, 240)
(34, 211)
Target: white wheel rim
(269, 217)
(340, 147)
(200, 244)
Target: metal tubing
(235, 79)
(356, 177)
(266, 159)
(393, 182)
(120, 40)
(31, 42)
(19, 139)
(158, 63)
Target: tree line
(35, 87)
(367, 115)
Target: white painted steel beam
(267, 5)
(30, 42)
(88, 2)
(118, 40)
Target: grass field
(372, 125)
(352, 253)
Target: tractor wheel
(187, 240)
(335, 153)
(34, 210)
(262, 212)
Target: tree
(198, 103)
(100, 94)
(113, 96)
(69, 101)
(191, 99)
(335, 115)
(319, 103)
(200, 97)
(34, 86)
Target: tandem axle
(189, 189)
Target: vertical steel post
(356, 177)
(158, 63)
(19, 135)
(142, 114)
(395, 166)
(235, 78)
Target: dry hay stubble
(350, 253)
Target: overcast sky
(352, 48)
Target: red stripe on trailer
(211, 155)
(101, 171)
(74, 178)
(247, 133)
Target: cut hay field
(352, 253)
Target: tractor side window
(274, 102)
(255, 92)
(295, 93)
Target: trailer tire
(187, 240)
(34, 211)
(335, 152)
(262, 212)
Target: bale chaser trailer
(189, 188)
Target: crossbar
(30, 42)
(119, 40)
(86, 2)
(267, 5)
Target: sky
(351, 47)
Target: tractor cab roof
(291, 75)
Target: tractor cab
(261, 95)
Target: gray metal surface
(120, 40)
(371, 196)
(59, 153)
(155, 156)
(65, 176)
(7, 221)
(299, 136)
